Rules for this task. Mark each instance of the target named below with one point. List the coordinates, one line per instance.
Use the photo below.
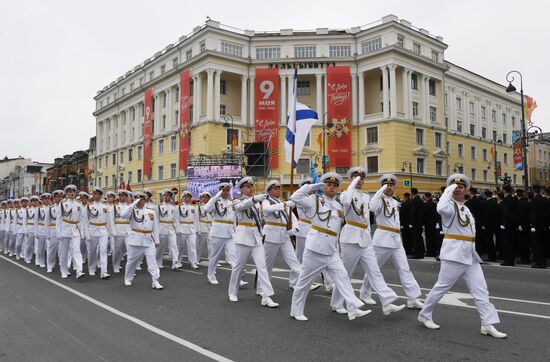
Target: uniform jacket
(166, 218)
(205, 220)
(223, 217)
(249, 228)
(98, 219)
(276, 218)
(187, 218)
(144, 226)
(386, 211)
(68, 218)
(355, 204)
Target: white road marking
(128, 317)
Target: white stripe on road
(128, 317)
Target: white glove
(483, 228)
(354, 183)
(410, 226)
(520, 228)
(290, 204)
(533, 230)
(317, 186)
(437, 226)
(219, 194)
(451, 187)
(382, 189)
(502, 227)
(291, 232)
(259, 197)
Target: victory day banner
(147, 131)
(518, 150)
(184, 113)
(339, 112)
(266, 121)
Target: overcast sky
(55, 55)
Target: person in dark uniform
(490, 225)
(416, 213)
(430, 223)
(499, 233)
(538, 218)
(475, 204)
(404, 221)
(523, 247)
(509, 225)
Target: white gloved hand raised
(354, 183)
(533, 230)
(520, 228)
(290, 204)
(317, 186)
(259, 197)
(502, 227)
(218, 195)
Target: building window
(435, 56)
(459, 126)
(305, 51)
(161, 146)
(419, 165)
(416, 48)
(439, 167)
(173, 171)
(400, 40)
(189, 54)
(340, 51)
(458, 104)
(173, 144)
(151, 75)
(460, 150)
(446, 100)
(113, 159)
(222, 109)
(433, 114)
(303, 88)
(372, 164)
(268, 53)
(483, 112)
(483, 132)
(504, 138)
(474, 174)
(438, 138)
(484, 152)
(163, 121)
(513, 122)
(504, 119)
(175, 62)
(99, 181)
(419, 136)
(448, 147)
(161, 172)
(232, 49)
(232, 137)
(99, 163)
(138, 175)
(414, 81)
(303, 166)
(472, 129)
(473, 152)
(372, 135)
(415, 109)
(461, 169)
(106, 181)
(493, 115)
(163, 69)
(431, 87)
(371, 45)
(202, 46)
(121, 157)
(139, 152)
(223, 87)
(485, 175)
(129, 177)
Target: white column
(385, 95)
(156, 115)
(198, 109)
(169, 107)
(319, 93)
(210, 95)
(410, 98)
(405, 93)
(244, 80)
(427, 100)
(195, 98)
(393, 90)
(217, 81)
(354, 97)
(252, 113)
(361, 78)
(282, 87)
(128, 127)
(453, 114)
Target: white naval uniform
(3, 214)
(21, 231)
(277, 237)
(356, 245)
(167, 231)
(13, 231)
(387, 244)
(143, 235)
(5, 229)
(459, 259)
(321, 250)
(248, 241)
(221, 234)
(68, 227)
(52, 240)
(29, 243)
(186, 231)
(120, 234)
(99, 224)
(203, 231)
(41, 236)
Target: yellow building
(409, 105)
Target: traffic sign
(407, 182)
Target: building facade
(539, 160)
(412, 112)
(69, 169)
(26, 179)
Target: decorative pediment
(440, 154)
(421, 151)
(371, 149)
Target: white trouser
(111, 244)
(40, 250)
(400, 262)
(94, 244)
(300, 247)
(258, 256)
(19, 239)
(170, 241)
(52, 249)
(84, 249)
(13, 243)
(352, 254)
(449, 273)
(271, 250)
(28, 247)
(313, 264)
(187, 242)
(69, 247)
(203, 242)
(216, 247)
(2, 245)
(119, 250)
(6, 241)
(135, 254)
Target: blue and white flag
(299, 121)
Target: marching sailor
(143, 237)
(186, 229)
(321, 250)
(21, 225)
(249, 241)
(459, 258)
(204, 225)
(167, 229)
(356, 245)
(4, 240)
(13, 227)
(84, 199)
(387, 240)
(42, 230)
(52, 241)
(121, 227)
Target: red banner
(266, 121)
(339, 113)
(185, 128)
(147, 131)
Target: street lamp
(408, 165)
(326, 127)
(511, 89)
(226, 125)
(495, 142)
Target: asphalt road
(92, 319)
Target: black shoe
(437, 258)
